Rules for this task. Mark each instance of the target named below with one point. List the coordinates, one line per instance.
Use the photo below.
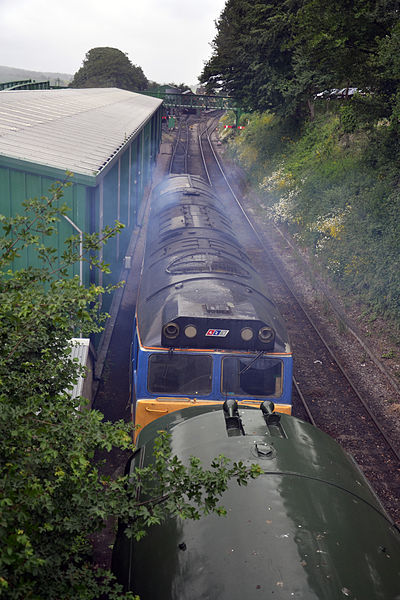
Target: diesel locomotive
(205, 327)
(309, 527)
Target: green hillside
(14, 74)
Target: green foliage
(263, 143)
(42, 308)
(153, 86)
(278, 55)
(109, 67)
(337, 190)
(251, 60)
(54, 495)
(349, 117)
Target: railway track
(187, 151)
(180, 149)
(324, 390)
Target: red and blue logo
(217, 332)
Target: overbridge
(198, 101)
(25, 84)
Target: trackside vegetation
(338, 194)
(54, 495)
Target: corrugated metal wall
(17, 186)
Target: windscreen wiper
(259, 354)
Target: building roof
(78, 130)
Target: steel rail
(214, 123)
(203, 157)
(183, 125)
(174, 148)
(304, 402)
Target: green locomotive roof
(310, 527)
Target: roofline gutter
(45, 170)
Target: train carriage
(205, 326)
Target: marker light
(246, 334)
(190, 331)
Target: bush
(336, 187)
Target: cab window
(180, 374)
(252, 376)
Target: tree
(181, 86)
(278, 55)
(252, 60)
(226, 69)
(341, 38)
(386, 84)
(153, 86)
(53, 493)
(109, 67)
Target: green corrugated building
(108, 138)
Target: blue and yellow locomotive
(205, 327)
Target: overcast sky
(169, 39)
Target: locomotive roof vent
(272, 419)
(206, 262)
(233, 422)
(220, 309)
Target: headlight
(265, 334)
(171, 330)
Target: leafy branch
(170, 488)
